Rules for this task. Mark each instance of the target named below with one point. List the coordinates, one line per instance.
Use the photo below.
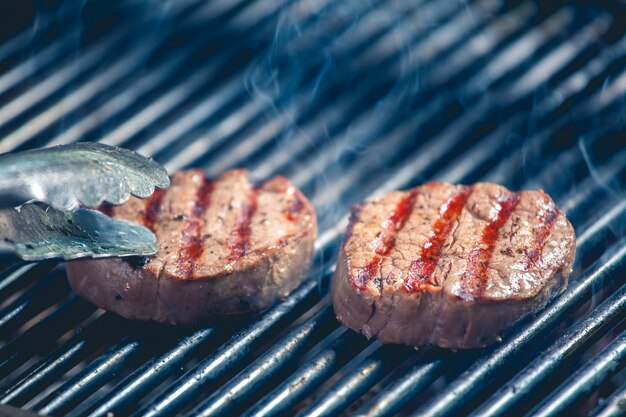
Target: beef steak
(450, 265)
(225, 246)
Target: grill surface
(349, 100)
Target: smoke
(610, 184)
(297, 66)
(605, 169)
(339, 75)
(346, 78)
(94, 48)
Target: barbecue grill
(349, 100)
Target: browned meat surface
(225, 246)
(450, 265)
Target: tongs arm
(46, 196)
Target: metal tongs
(46, 196)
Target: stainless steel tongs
(46, 196)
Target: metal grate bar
(601, 230)
(88, 380)
(307, 135)
(485, 371)
(43, 334)
(142, 85)
(62, 359)
(398, 393)
(149, 375)
(423, 164)
(48, 291)
(421, 160)
(586, 380)
(232, 353)
(19, 275)
(222, 158)
(614, 406)
(505, 26)
(440, 148)
(355, 383)
(414, 27)
(263, 373)
(55, 82)
(83, 95)
(71, 72)
(33, 65)
(166, 102)
(577, 201)
(22, 41)
(307, 378)
(539, 370)
(309, 132)
(216, 134)
(511, 58)
(571, 159)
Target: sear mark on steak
(421, 269)
(385, 240)
(225, 246)
(462, 264)
(192, 241)
(239, 240)
(473, 279)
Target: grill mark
(239, 239)
(152, 208)
(421, 270)
(385, 240)
(192, 239)
(473, 279)
(547, 217)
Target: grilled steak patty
(450, 265)
(225, 246)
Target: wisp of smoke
(337, 74)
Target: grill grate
(350, 100)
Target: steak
(226, 246)
(450, 265)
